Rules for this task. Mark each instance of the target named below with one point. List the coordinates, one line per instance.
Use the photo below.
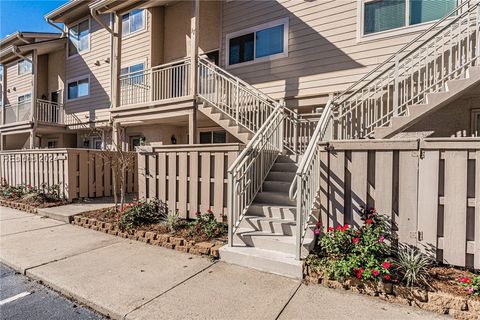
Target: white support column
(116, 62)
(192, 127)
(34, 99)
(194, 37)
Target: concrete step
(277, 186)
(274, 198)
(264, 260)
(270, 241)
(287, 159)
(273, 225)
(284, 167)
(272, 211)
(280, 176)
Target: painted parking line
(15, 297)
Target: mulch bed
(29, 206)
(106, 220)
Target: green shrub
(412, 266)
(207, 225)
(143, 213)
(361, 252)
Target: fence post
(395, 88)
(230, 207)
(237, 109)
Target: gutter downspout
(50, 22)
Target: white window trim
(79, 53)
(75, 80)
(135, 62)
(474, 114)
(24, 94)
(405, 30)
(129, 34)
(18, 67)
(284, 21)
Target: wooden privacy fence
(189, 178)
(79, 173)
(430, 188)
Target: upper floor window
(78, 88)
(133, 21)
(25, 98)
(24, 67)
(383, 15)
(79, 38)
(132, 70)
(259, 43)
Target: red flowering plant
(359, 252)
(471, 284)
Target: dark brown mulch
(445, 279)
(110, 216)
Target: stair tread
(276, 256)
(287, 239)
(273, 206)
(252, 217)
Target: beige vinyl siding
(96, 106)
(56, 71)
(324, 54)
(136, 46)
(178, 28)
(42, 76)
(17, 84)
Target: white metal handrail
(443, 52)
(49, 111)
(17, 112)
(249, 170)
(163, 82)
(304, 188)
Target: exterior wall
(64, 140)
(42, 76)
(177, 28)
(453, 120)
(22, 83)
(16, 141)
(324, 53)
(134, 46)
(56, 72)
(159, 133)
(92, 63)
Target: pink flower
(369, 221)
(330, 229)
(317, 231)
(386, 265)
(464, 279)
(358, 273)
(381, 239)
(470, 289)
(375, 272)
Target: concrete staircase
(434, 101)
(227, 123)
(265, 239)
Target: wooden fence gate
(429, 188)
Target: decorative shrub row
(439, 302)
(18, 205)
(153, 238)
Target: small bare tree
(120, 160)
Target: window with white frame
(78, 88)
(24, 98)
(133, 70)
(476, 122)
(79, 38)
(24, 66)
(133, 21)
(260, 43)
(384, 15)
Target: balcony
(48, 112)
(157, 84)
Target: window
(132, 70)
(476, 122)
(207, 137)
(133, 21)
(97, 143)
(51, 144)
(23, 99)
(259, 43)
(136, 141)
(79, 38)
(383, 15)
(78, 89)
(24, 67)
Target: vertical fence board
(384, 182)
(358, 186)
(205, 181)
(337, 188)
(477, 211)
(407, 197)
(428, 179)
(172, 181)
(193, 185)
(455, 213)
(152, 175)
(162, 177)
(182, 184)
(219, 182)
(324, 188)
(142, 175)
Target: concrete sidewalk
(126, 279)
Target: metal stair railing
(443, 52)
(247, 174)
(305, 186)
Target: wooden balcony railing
(49, 111)
(163, 82)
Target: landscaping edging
(164, 240)
(18, 205)
(439, 302)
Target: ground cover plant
(43, 196)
